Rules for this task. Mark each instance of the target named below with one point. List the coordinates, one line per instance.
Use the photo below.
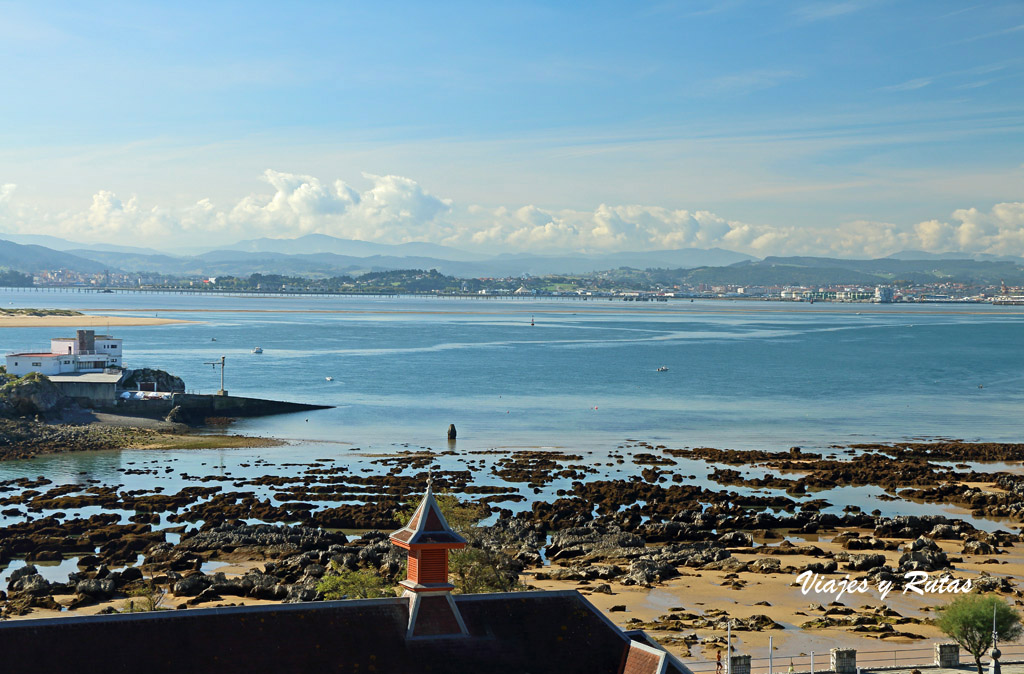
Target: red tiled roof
(644, 660)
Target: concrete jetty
(194, 407)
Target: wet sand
(698, 591)
(84, 321)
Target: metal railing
(819, 662)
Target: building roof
(86, 378)
(535, 632)
(39, 355)
(427, 526)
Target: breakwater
(194, 407)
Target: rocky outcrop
(97, 589)
(165, 381)
(31, 395)
(595, 543)
(263, 539)
(923, 555)
(862, 562)
(976, 547)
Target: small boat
(662, 369)
(531, 320)
(258, 349)
(213, 339)
(329, 378)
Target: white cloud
(396, 209)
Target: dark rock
(646, 572)
(766, 565)
(99, 590)
(33, 584)
(191, 586)
(736, 539)
(27, 570)
(131, 574)
(975, 547)
(822, 567)
(864, 562)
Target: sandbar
(82, 321)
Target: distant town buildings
(625, 284)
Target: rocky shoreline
(25, 439)
(755, 522)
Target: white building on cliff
(85, 352)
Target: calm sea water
(583, 379)
(750, 374)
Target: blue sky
(850, 127)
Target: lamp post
(994, 667)
(728, 647)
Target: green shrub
(341, 583)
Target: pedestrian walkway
(1007, 667)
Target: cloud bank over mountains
(396, 209)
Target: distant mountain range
(57, 243)
(322, 255)
(33, 258)
(980, 257)
(322, 243)
(319, 255)
(819, 271)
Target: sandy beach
(83, 321)
(746, 594)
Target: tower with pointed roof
(427, 538)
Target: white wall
(61, 345)
(21, 365)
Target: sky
(851, 128)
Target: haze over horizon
(853, 128)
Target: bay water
(569, 375)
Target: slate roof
(427, 526)
(525, 632)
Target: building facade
(85, 352)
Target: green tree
(481, 566)
(341, 583)
(967, 620)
